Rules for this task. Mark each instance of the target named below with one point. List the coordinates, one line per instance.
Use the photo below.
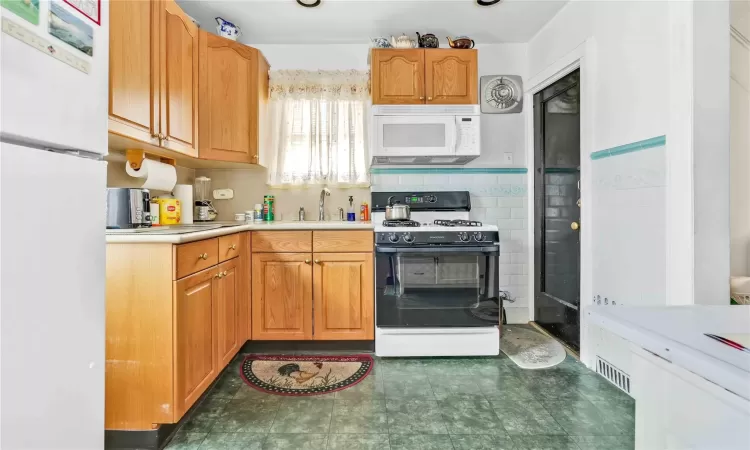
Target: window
(319, 128)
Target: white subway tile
(504, 235)
(505, 258)
(484, 179)
(478, 214)
(511, 202)
(498, 213)
(412, 180)
(519, 235)
(503, 280)
(518, 213)
(518, 280)
(518, 258)
(510, 269)
(386, 180)
(436, 180)
(484, 202)
(510, 224)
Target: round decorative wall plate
(501, 94)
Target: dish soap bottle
(350, 215)
(364, 212)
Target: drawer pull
(317, 261)
(203, 256)
(225, 273)
(219, 275)
(233, 247)
(307, 261)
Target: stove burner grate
(458, 223)
(400, 223)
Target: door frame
(582, 57)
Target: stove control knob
(432, 199)
(463, 236)
(478, 236)
(393, 237)
(408, 238)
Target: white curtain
(319, 122)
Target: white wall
(740, 139)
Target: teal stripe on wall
(444, 170)
(657, 141)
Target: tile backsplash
(249, 187)
(498, 197)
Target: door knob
(574, 225)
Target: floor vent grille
(613, 374)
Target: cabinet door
(282, 296)
(397, 76)
(229, 100)
(343, 285)
(226, 307)
(451, 76)
(179, 79)
(194, 342)
(133, 70)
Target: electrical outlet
(507, 158)
(223, 194)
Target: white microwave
(425, 134)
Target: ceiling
(355, 21)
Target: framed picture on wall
(89, 8)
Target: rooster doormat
(304, 375)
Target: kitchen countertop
(176, 234)
(675, 333)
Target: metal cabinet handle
(219, 275)
(574, 225)
(429, 98)
(421, 98)
(225, 273)
(233, 247)
(317, 261)
(203, 256)
(307, 261)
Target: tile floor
(421, 404)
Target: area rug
(531, 349)
(304, 375)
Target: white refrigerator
(53, 135)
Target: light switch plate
(223, 194)
(508, 158)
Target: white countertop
(675, 333)
(163, 235)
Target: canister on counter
(169, 211)
(268, 213)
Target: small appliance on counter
(128, 208)
(204, 208)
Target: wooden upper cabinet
(179, 79)
(418, 76)
(451, 76)
(226, 303)
(233, 82)
(194, 350)
(133, 70)
(282, 296)
(343, 296)
(397, 76)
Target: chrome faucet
(323, 194)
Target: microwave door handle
(455, 136)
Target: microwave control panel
(468, 135)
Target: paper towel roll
(184, 193)
(154, 175)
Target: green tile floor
(421, 404)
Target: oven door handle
(489, 249)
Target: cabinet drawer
(282, 241)
(196, 256)
(229, 247)
(342, 241)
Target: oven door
(415, 135)
(436, 287)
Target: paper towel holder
(135, 158)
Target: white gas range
(436, 278)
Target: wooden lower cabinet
(226, 309)
(282, 296)
(194, 349)
(343, 296)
